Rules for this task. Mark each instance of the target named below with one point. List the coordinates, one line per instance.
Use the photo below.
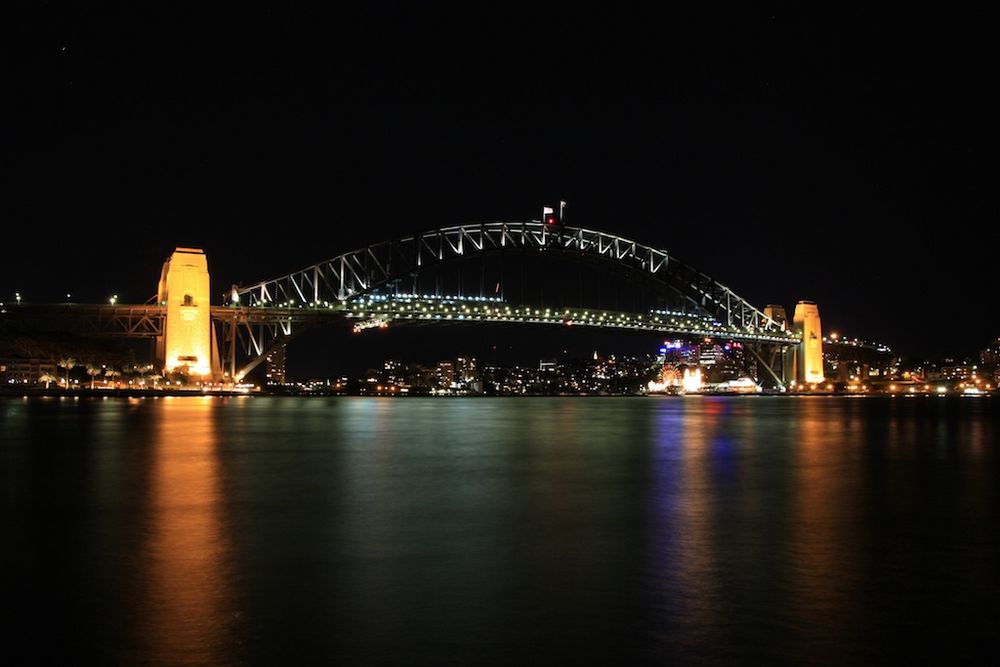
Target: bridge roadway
(381, 311)
(146, 321)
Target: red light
(550, 219)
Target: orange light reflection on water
(823, 549)
(188, 601)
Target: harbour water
(706, 530)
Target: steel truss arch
(362, 271)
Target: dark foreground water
(504, 531)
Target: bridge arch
(360, 272)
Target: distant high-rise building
(275, 365)
(710, 354)
(465, 369)
(678, 351)
(990, 357)
(445, 373)
(393, 371)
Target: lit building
(677, 351)
(25, 371)
(465, 368)
(957, 372)
(710, 354)
(547, 364)
(393, 372)
(275, 365)
(990, 357)
(445, 373)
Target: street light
(113, 299)
(17, 295)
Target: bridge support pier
(769, 374)
(809, 368)
(187, 341)
(255, 340)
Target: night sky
(848, 159)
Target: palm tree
(111, 373)
(93, 371)
(68, 363)
(48, 378)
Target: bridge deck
(146, 321)
(392, 311)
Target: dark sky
(844, 158)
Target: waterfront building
(25, 371)
(444, 374)
(275, 366)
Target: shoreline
(119, 393)
(194, 393)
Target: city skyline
(835, 162)
(400, 333)
(505, 341)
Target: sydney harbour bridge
(531, 273)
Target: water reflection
(817, 530)
(683, 573)
(187, 604)
(823, 546)
(554, 531)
